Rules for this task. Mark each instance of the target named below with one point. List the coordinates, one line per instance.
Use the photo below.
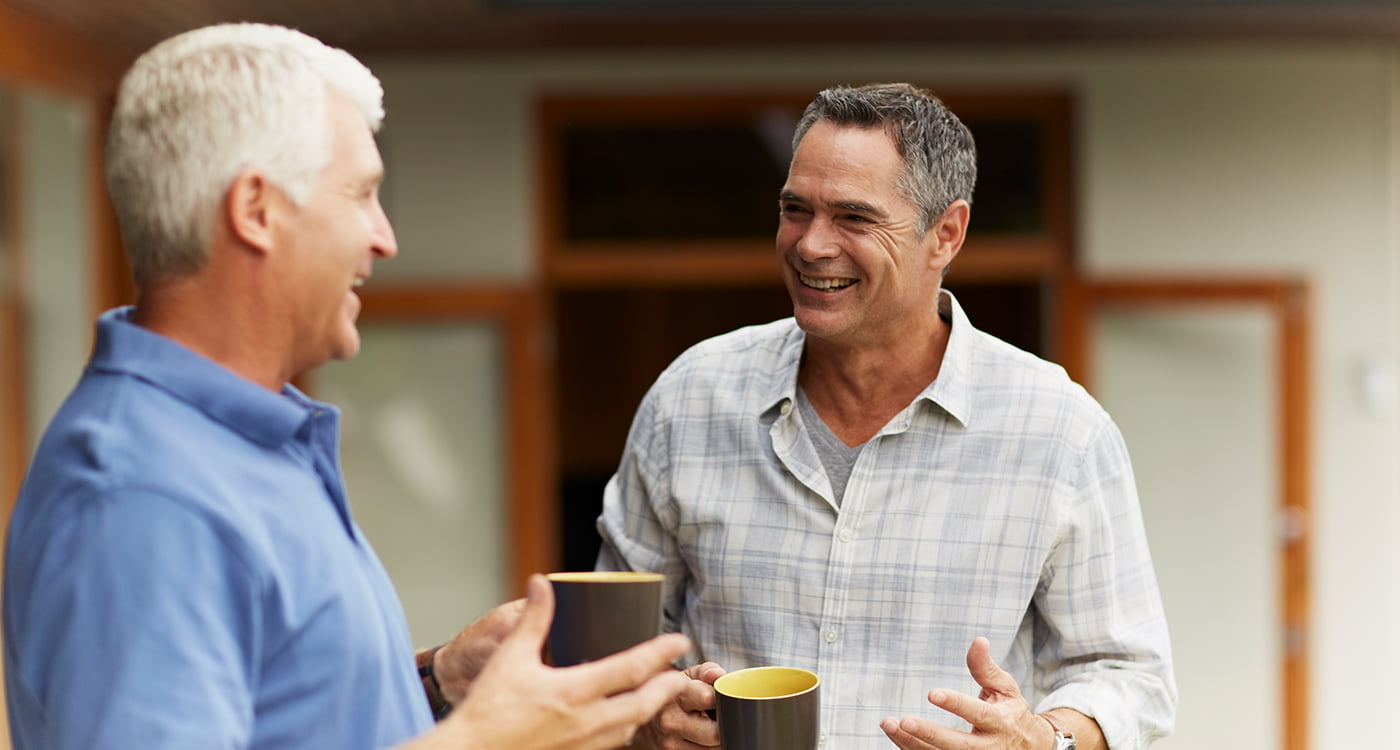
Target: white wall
(1191, 159)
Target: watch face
(1064, 743)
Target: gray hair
(200, 107)
(940, 158)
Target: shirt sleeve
(139, 628)
(638, 514)
(1106, 651)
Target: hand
(684, 724)
(461, 659)
(519, 703)
(1000, 718)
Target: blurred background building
(1194, 206)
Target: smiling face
(334, 239)
(857, 264)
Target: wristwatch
(1063, 740)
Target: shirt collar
(259, 415)
(782, 386)
(950, 391)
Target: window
(658, 215)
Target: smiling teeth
(825, 283)
(358, 283)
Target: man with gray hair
(182, 569)
(868, 487)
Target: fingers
(620, 716)
(698, 695)
(972, 710)
(910, 733)
(527, 640)
(987, 672)
(504, 617)
(706, 673)
(630, 668)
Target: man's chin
(347, 346)
(818, 325)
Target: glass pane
(679, 181)
(611, 344)
(1014, 313)
(422, 447)
(1010, 173)
(718, 180)
(1193, 393)
(55, 180)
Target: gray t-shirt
(837, 458)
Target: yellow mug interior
(757, 683)
(604, 576)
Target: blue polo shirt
(183, 571)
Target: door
(1207, 381)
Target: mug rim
(604, 576)
(816, 682)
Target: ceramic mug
(599, 613)
(768, 708)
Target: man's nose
(385, 245)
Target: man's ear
(249, 207)
(948, 232)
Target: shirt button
(844, 535)
(821, 739)
(786, 408)
(830, 635)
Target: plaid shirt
(999, 503)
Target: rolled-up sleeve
(1106, 651)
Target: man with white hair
(183, 570)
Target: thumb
(533, 627)
(990, 675)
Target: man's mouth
(824, 284)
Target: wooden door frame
(1288, 301)
(14, 423)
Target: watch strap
(437, 703)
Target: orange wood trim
(1076, 344)
(13, 415)
(1185, 290)
(688, 265)
(1001, 257)
(528, 420)
(984, 258)
(1294, 352)
(37, 52)
(534, 465)
(1289, 303)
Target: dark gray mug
(599, 613)
(769, 708)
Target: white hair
(197, 109)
